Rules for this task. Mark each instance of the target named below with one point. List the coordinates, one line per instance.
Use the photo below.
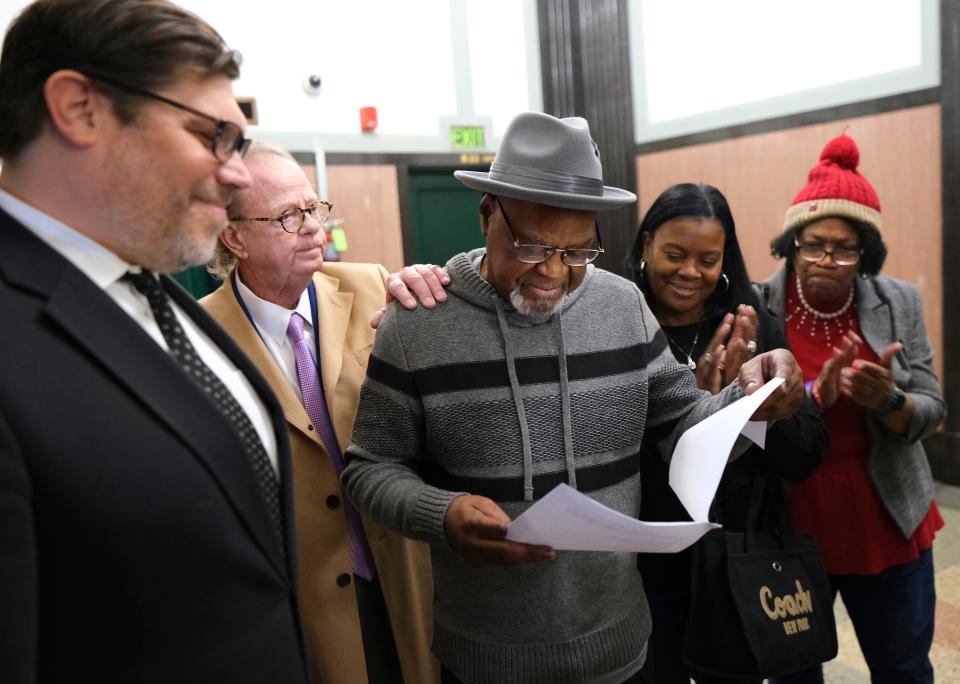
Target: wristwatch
(895, 402)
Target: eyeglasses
(228, 137)
(842, 256)
(537, 254)
(292, 219)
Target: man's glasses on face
(536, 254)
(228, 137)
(292, 219)
(842, 256)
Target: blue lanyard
(311, 293)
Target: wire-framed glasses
(842, 256)
(535, 254)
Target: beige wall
(366, 197)
(760, 175)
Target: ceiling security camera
(311, 84)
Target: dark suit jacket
(134, 542)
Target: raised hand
(742, 345)
(710, 365)
(476, 528)
(828, 383)
(870, 384)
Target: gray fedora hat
(551, 161)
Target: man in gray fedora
(539, 369)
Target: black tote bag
(760, 602)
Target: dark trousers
(664, 665)
(447, 677)
(379, 649)
(892, 614)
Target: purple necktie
(316, 405)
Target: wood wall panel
(760, 175)
(366, 196)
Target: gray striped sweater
(474, 397)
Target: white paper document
(756, 431)
(568, 520)
(702, 451)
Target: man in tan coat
(364, 592)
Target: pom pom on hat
(835, 188)
(842, 151)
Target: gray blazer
(892, 310)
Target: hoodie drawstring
(565, 408)
(517, 402)
(567, 422)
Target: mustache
(544, 284)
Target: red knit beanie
(835, 188)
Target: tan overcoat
(347, 297)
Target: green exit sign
(467, 137)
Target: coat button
(343, 580)
(333, 501)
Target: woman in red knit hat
(864, 351)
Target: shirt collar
(94, 260)
(271, 318)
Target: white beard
(537, 308)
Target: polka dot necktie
(315, 402)
(184, 352)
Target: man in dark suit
(146, 525)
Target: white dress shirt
(106, 269)
(271, 321)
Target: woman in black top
(687, 261)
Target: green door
(197, 281)
(446, 216)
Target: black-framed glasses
(842, 256)
(228, 137)
(536, 254)
(292, 219)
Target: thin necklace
(828, 318)
(691, 364)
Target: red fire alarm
(368, 119)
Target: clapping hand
(732, 344)
(710, 365)
(828, 387)
(870, 384)
(742, 344)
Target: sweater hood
(466, 283)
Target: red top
(838, 502)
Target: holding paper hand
(784, 402)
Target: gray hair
(223, 262)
